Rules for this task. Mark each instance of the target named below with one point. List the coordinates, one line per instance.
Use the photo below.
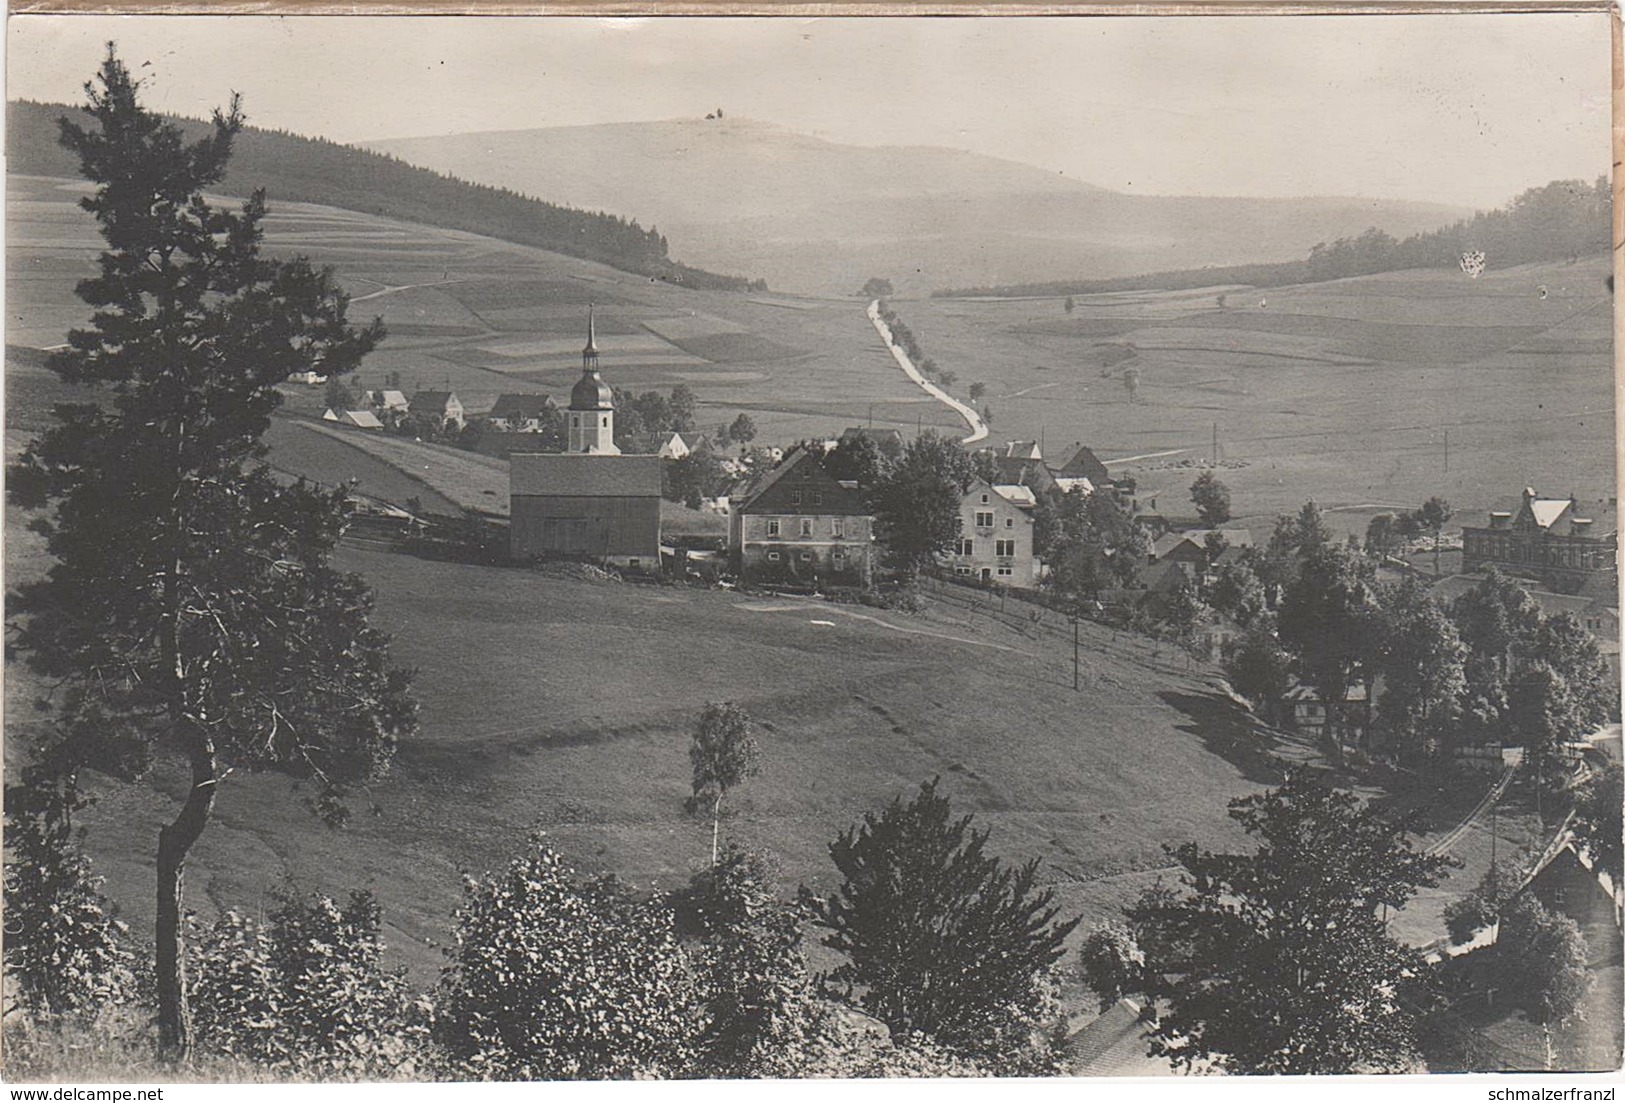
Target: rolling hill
(820, 217)
(313, 170)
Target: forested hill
(1562, 220)
(293, 168)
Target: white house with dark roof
(995, 541)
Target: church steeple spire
(592, 403)
(589, 355)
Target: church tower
(592, 403)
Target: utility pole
(1216, 445)
(1074, 651)
(1447, 451)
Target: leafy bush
(554, 980)
(764, 1017)
(307, 992)
(62, 940)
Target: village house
(996, 537)
(797, 524)
(387, 401)
(355, 419)
(1569, 546)
(519, 413)
(674, 447)
(1082, 463)
(889, 441)
(1309, 713)
(590, 502)
(443, 406)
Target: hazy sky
(1458, 109)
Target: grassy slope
(565, 705)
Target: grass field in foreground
(563, 705)
(566, 705)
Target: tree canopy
(190, 606)
(1280, 961)
(942, 938)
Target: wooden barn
(576, 505)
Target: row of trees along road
(190, 611)
(1487, 667)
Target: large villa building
(1568, 546)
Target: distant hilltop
(818, 216)
(293, 168)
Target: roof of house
(1164, 575)
(1596, 517)
(1303, 691)
(1450, 588)
(1022, 496)
(432, 400)
(1016, 471)
(1117, 1043)
(362, 419)
(1069, 483)
(889, 440)
(511, 406)
(583, 475)
(390, 399)
(1023, 449)
(1081, 462)
(800, 469)
(1168, 541)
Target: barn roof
(583, 475)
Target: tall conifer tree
(190, 612)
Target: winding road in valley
(978, 427)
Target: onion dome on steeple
(590, 391)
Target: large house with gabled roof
(1570, 546)
(799, 524)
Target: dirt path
(978, 427)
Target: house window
(606, 423)
(806, 526)
(774, 556)
(984, 499)
(795, 497)
(1009, 522)
(837, 528)
(634, 563)
(1006, 572)
(773, 527)
(984, 520)
(818, 497)
(839, 556)
(964, 569)
(1004, 547)
(806, 557)
(965, 547)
